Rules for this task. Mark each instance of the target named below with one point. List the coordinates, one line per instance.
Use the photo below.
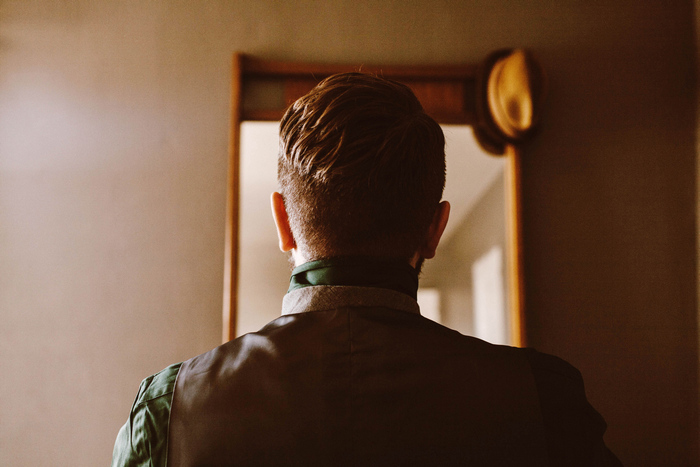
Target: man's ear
(284, 232)
(437, 228)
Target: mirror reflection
(463, 287)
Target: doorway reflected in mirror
(467, 278)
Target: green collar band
(385, 273)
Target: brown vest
(347, 380)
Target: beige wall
(113, 134)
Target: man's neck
(300, 259)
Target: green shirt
(143, 440)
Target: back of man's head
(361, 168)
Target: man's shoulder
(558, 382)
(157, 385)
(547, 363)
(142, 441)
(573, 428)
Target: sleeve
(573, 428)
(143, 440)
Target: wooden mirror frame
(499, 98)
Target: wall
(609, 190)
(113, 135)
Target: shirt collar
(384, 273)
(324, 298)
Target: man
(352, 374)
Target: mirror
(474, 284)
(465, 286)
(263, 270)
